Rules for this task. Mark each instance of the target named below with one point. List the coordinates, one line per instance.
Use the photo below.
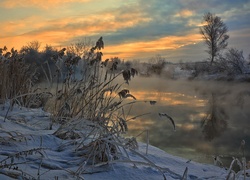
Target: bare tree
(31, 52)
(157, 65)
(157, 59)
(35, 45)
(233, 62)
(81, 47)
(214, 33)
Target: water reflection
(215, 122)
(168, 98)
(188, 103)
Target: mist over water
(188, 102)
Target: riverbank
(29, 149)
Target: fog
(188, 103)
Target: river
(225, 107)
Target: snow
(26, 138)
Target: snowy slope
(28, 149)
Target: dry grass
(89, 109)
(10, 166)
(18, 79)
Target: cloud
(130, 50)
(128, 27)
(20, 26)
(185, 13)
(162, 20)
(120, 27)
(237, 18)
(45, 4)
(64, 30)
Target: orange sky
(131, 29)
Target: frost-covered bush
(17, 77)
(232, 62)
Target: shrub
(233, 62)
(17, 77)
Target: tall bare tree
(214, 32)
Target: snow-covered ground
(28, 149)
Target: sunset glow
(131, 29)
(168, 98)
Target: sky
(131, 29)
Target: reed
(18, 81)
(90, 109)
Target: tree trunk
(212, 60)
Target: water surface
(188, 102)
